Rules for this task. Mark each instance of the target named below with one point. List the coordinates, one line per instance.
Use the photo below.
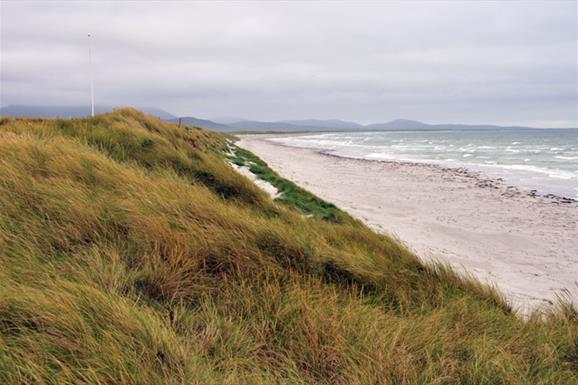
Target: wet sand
(526, 245)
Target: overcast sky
(465, 62)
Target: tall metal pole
(91, 75)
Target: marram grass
(132, 253)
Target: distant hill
(72, 111)
(405, 124)
(204, 123)
(398, 124)
(339, 125)
(254, 125)
(330, 124)
(227, 119)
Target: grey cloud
(490, 62)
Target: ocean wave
(566, 157)
(551, 172)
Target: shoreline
(488, 181)
(483, 180)
(519, 240)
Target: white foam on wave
(566, 157)
(551, 172)
(311, 141)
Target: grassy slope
(133, 254)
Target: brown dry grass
(133, 254)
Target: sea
(545, 160)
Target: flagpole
(91, 75)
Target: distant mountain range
(333, 124)
(340, 125)
(72, 111)
(405, 124)
(255, 125)
(248, 125)
(202, 123)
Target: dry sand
(526, 245)
(263, 185)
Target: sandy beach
(526, 245)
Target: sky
(511, 62)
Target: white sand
(263, 185)
(527, 246)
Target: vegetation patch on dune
(132, 253)
(291, 194)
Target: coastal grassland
(132, 253)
